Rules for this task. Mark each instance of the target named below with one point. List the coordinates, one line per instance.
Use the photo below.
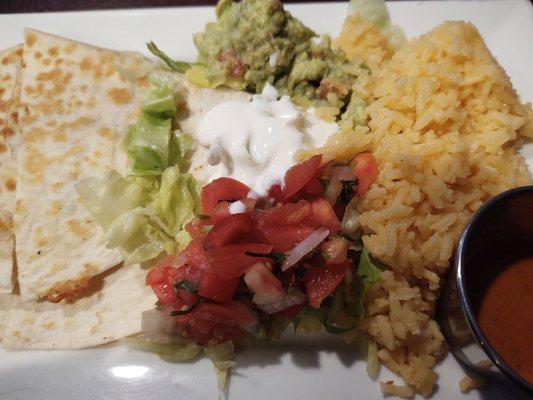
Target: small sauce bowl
(497, 237)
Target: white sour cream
(255, 142)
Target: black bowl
(498, 234)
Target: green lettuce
(148, 141)
(177, 199)
(178, 66)
(144, 213)
(222, 356)
(368, 274)
(375, 11)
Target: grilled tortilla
(74, 113)
(9, 74)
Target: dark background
(20, 6)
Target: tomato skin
(314, 187)
(197, 256)
(195, 229)
(286, 214)
(285, 237)
(162, 280)
(366, 170)
(231, 261)
(299, 175)
(335, 251)
(213, 287)
(230, 230)
(321, 282)
(323, 215)
(220, 189)
(216, 323)
(219, 213)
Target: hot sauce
(506, 316)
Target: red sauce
(506, 316)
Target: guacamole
(254, 42)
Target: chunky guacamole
(254, 42)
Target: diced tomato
(230, 230)
(196, 229)
(285, 237)
(231, 261)
(197, 256)
(321, 282)
(219, 213)
(216, 323)
(299, 175)
(323, 215)
(366, 169)
(335, 251)
(314, 187)
(222, 189)
(261, 281)
(162, 280)
(275, 192)
(213, 287)
(286, 214)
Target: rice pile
(445, 125)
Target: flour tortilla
(112, 312)
(9, 74)
(75, 111)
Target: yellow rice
(444, 126)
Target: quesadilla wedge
(75, 110)
(9, 68)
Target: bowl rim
(464, 299)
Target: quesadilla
(75, 110)
(61, 129)
(9, 67)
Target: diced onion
(343, 173)
(288, 300)
(304, 247)
(158, 326)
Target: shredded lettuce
(368, 274)
(178, 66)
(375, 11)
(144, 213)
(222, 357)
(177, 198)
(148, 141)
(174, 352)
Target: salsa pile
(254, 260)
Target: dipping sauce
(506, 316)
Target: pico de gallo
(253, 261)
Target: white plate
(309, 368)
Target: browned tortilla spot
(3, 148)
(86, 64)
(30, 39)
(38, 55)
(78, 229)
(120, 95)
(53, 51)
(11, 184)
(67, 289)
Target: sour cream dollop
(255, 142)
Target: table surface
(25, 6)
